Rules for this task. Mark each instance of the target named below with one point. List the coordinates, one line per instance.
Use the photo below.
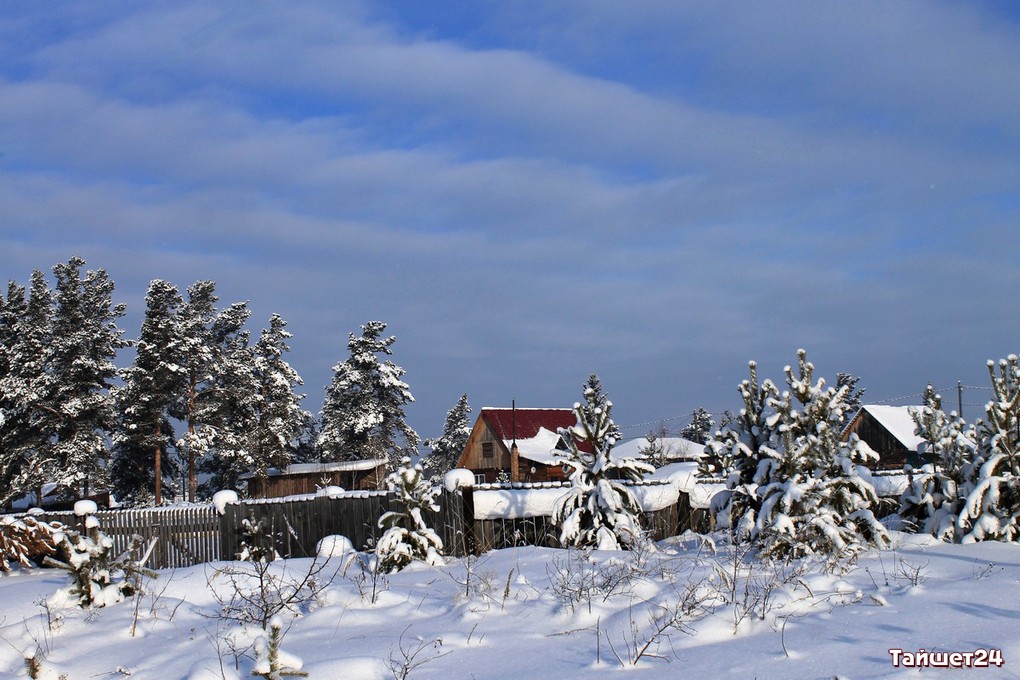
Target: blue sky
(527, 192)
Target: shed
(889, 431)
(307, 477)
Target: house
(308, 477)
(516, 444)
(889, 431)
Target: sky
(529, 192)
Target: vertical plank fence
(185, 536)
(190, 535)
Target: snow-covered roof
(674, 448)
(897, 420)
(305, 468)
(524, 423)
(539, 448)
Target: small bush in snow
(599, 511)
(99, 577)
(271, 662)
(407, 537)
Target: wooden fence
(185, 536)
(190, 535)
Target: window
(487, 450)
(479, 478)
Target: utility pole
(959, 398)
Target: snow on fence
(507, 515)
(470, 520)
(185, 535)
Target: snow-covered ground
(543, 613)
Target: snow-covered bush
(26, 540)
(599, 511)
(407, 537)
(273, 663)
(935, 492)
(258, 544)
(992, 509)
(793, 484)
(99, 577)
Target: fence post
(467, 513)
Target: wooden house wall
(892, 454)
(294, 484)
(473, 458)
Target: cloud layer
(526, 194)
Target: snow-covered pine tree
(595, 400)
(936, 491)
(992, 508)
(234, 405)
(407, 537)
(83, 349)
(700, 428)
(278, 413)
(853, 393)
(746, 442)
(196, 406)
(28, 420)
(99, 577)
(446, 449)
(142, 463)
(813, 499)
(599, 511)
(655, 450)
(363, 413)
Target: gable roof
(524, 423)
(897, 422)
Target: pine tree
(406, 536)
(28, 420)
(992, 508)
(279, 416)
(853, 393)
(142, 463)
(363, 414)
(85, 340)
(595, 400)
(196, 407)
(599, 511)
(936, 491)
(746, 442)
(700, 428)
(813, 500)
(446, 449)
(793, 487)
(236, 388)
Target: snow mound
(82, 508)
(334, 546)
(329, 491)
(457, 478)
(223, 498)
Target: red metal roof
(523, 423)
